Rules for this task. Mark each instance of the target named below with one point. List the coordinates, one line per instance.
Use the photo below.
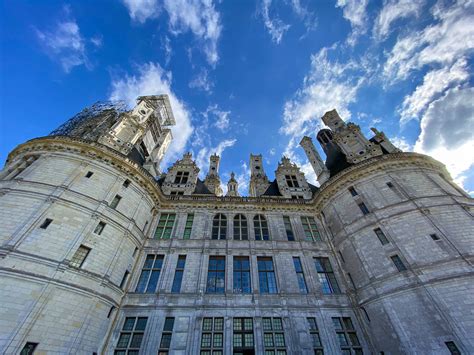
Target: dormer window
(181, 177)
(291, 181)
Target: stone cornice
(104, 154)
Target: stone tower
(98, 255)
(232, 186)
(258, 179)
(213, 181)
(322, 173)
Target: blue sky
(248, 76)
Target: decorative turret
(350, 140)
(381, 139)
(258, 179)
(291, 181)
(182, 177)
(213, 181)
(321, 171)
(140, 133)
(232, 186)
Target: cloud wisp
(66, 44)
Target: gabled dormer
(182, 177)
(291, 181)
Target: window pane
(123, 340)
(218, 340)
(279, 340)
(277, 324)
(248, 340)
(268, 340)
(136, 340)
(141, 323)
(207, 324)
(267, 323)
(165, 341)
(129, 323)
(169, 323)
(206, 340)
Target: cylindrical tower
(402, 231)
(74, 215)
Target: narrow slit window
(46, 223)
(124, 279)
(178, 275)
(363, 208)
(29, 348)
(189, 226)
(452, 347)
(381, 236)
(435, 237)
(300, 275)
(288, 228)
(99, 228)
(353, 191)
(115, 201)
(126, 183)
(89, 174)
(398, 263)
(166, 336)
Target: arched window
(240, 227)
(261, 228)
(219, 226)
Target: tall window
(347, 336)
(242, 275)
(131, 336)
(353, 191)
(150, 274)
(115, 201)
(80, 256)
(212, 339)
(398, 263)
(291, 181)
(216, 275)
(99, 228)
(300, 275)
(166, 336)
(383, 239)
(243, 335)
(189, 226)
(219, 226)
(288, 228)
(165, 226)
(314, 332)
(181, 177)
(261, 228)
(124, 279)
(363, 208)
(266, 275)
(273, 336)
(310, 230)
(326, 276)
(178, 274)
(240, 227)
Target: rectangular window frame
(178, 274)
(166, 335)
(303, 287)
(46, 223)
(273, 330)
(165, 227)
(310, 229)
(239, 273)
(150, 274)
(326, 276)
(398, 262)
(381, 236)
(315, 336)
(292, 181)
(266, 275)
(131, 335)
(188, 227)
(80, 256)
(242, 334)
(216, 275)
(347, 335)
(212, 336)
(290, 234)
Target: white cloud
(166, 46)
(355, 12)
(402, 143)
(447, 131)
(219, 118)
(66, 44)
(328, 85)
(435, 82)
(201, 18)
(272, 151)
(201, 81)
(142, 10)
(275, 27)
(243, 178)
(202, 158)
(392, 11)
(197, 16)
(450, 38)
(153, 80)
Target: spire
(322, 173)
(212, 180)
(232, 186)
(258, 179)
